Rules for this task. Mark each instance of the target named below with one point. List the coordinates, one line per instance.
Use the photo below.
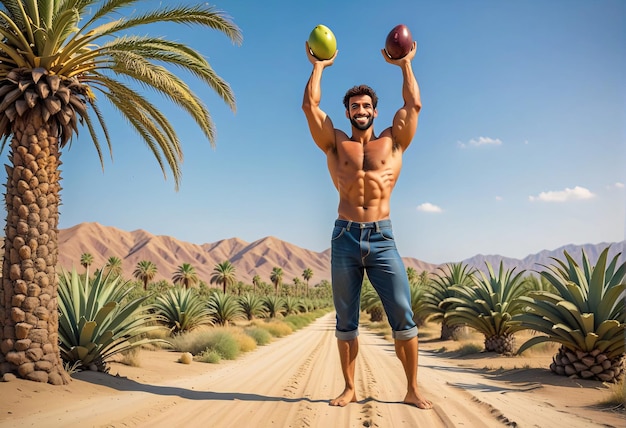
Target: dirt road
(288, 384)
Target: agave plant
(224, 308)
(371, 303)
(439, 289)
(418, 290)
(586, 316)
(94, 325)
(292, 305)
(182, 310)
(274, 305)
(252, 306)
(488, 306)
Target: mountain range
(258, 257)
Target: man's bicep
(322, 129)
(404, 126)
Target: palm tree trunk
(28, 295)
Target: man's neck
(363, 136)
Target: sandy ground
(289, 382)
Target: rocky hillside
(256, 258)
(249, 259)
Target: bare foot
(347, 396)
(415, 399)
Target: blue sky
(521, 144)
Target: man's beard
(362, 127)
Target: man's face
(361, 112)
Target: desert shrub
(224, 343)
(617, 399)
(296, 322)
(209, 356)
(301, 320)
(131, 358)
(245, 342)
(194, 341)
(469, 348)
(275, 328)
(260, 335)
(228, 343)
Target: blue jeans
(358, 248)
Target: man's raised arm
(320, 125)
(405, 120)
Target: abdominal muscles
(366, 196)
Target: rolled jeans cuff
(346, 335)
(405, 334)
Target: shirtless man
(364, 169)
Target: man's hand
(407, 58)
(313, 58)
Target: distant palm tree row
(224, 274)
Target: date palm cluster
(62, 102)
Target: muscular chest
(373, 156)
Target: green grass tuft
(260, 335)
(224, 343)
(212, 357)
(276, 328)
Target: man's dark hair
(360, 90)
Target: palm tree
(145, 271)
(224, 273)
(54, 57)
(114, 266)
(256, 280)
(86, 259)
(185, 275)
(296, 284)
(307, 274)
(276, 277)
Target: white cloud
(566, 195)
(427, 207)
(499, 198)
(480, 142)
(617, 185)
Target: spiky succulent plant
(586, 316)
(440, 288)
(95, 323)
(488, 306)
